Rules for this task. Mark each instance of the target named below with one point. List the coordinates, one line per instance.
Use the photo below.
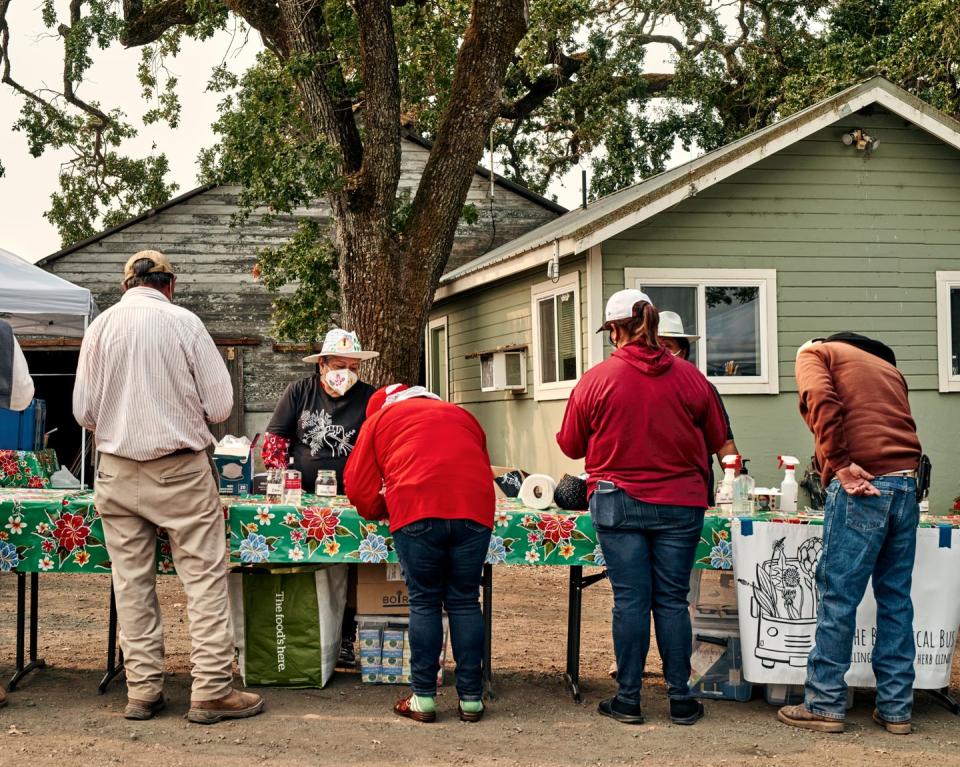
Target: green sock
(425, 704)
(471, 706)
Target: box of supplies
(385, 649)
(717, 668)
(234, 462)
(381, 590)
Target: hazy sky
(37, 62)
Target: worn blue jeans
(442, 563)
(649, 551)
(866, 537)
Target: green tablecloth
(26, 469)
(60, 531)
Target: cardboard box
(381, 590)
(235, 467)
(384, 598)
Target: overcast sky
(37, 62)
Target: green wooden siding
(855, 238)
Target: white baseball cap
(341, 343)
(671, 326)
(620, 305)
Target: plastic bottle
(725, 489)
(743, 491)
(788, 488)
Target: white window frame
(768, 382)
(439, 322)
(948, 381)
(557, 389)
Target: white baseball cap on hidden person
(671, 326)
(341, 343)
(620, 305)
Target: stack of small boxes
(385, 650)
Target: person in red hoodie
(423, 464)
(646, 423)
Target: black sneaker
(686, 711)
(347, 658)
(620, 711)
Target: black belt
(181, 451)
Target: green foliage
(303, 274)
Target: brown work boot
(236, 705)
(801, 716)
(3, 696)
(894, 728)
(143, 709)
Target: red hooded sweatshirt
(432, 457)
(648, 422)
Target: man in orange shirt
(854, 400)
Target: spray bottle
(788, 488)
(725, 490)
(743, 491)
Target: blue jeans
(863, 537)
(649, 551)
(443, 564)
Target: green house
(845, 216)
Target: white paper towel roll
(537, 491)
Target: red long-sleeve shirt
(432, 458)
(648, 422)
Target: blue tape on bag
(746, 527)
(946, 536)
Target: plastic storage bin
(23, 430)
(717, 667)
(792, 695)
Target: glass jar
(326, 483)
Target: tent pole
(83, 431)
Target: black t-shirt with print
(322, 429)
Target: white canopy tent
(38, 303)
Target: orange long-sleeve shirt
(857, 407)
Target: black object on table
(24, 668)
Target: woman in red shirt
(646, 423)
(423, 464)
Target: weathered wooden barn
(214, 261)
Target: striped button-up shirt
(150, 379)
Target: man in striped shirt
(149, 381)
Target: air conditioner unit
(503, 371)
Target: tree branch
(326, 101)
(381, 116)
(146, 25)
(489, 43)
(560, 75)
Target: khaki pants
(177, 493)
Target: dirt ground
(57, 718)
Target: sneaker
(686, 711)
(143, 709)
(622, 712)
(894, 728)
(236, 705)
(801, 716)
(404, 707)
(348, 656)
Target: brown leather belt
(181, 451)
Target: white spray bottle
(731, 463)
(788, 488)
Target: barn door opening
(233, 357)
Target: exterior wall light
(859, 138)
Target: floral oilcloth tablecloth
(60, 531)
(23, 468)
